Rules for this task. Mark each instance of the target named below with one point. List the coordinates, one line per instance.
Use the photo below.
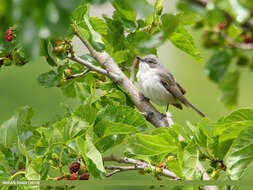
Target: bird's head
(151, 60)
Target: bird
(159, 85)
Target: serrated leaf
(125, 9)
(83, 32)
(239, 115)
(190, 162)
(122, 114)
(49, 79)
(217, 65)
(115, 34)
(183, 40)
(120, 56)
(126, 118)
(240, 155)
(229, 88)
(92, 157)
(9, 132)
(83, 90)
(99, 25)
(107, 128)
(78, 14)
(136, 42)
(150, 145)
(48, 49)
(169, 24)
(108, 142)
(86, 112)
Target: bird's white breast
(151, 87)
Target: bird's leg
(144, 98)
(167, 108)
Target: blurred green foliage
(105, 117)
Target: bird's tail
(196, 109)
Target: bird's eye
(152, 62)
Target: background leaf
(92, 157)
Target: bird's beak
(139, 58)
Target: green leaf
(128, 25)
(98, 25)
(86, 112)
(150, 145)
(31, 170)
(183, 40)
(174, 166)
(169, 24)
(83, 90)
(238, 115)
(125, 9)
(190, 162)
(9, 132)
(240, 155)
(229, 88)
(78, 14)
(122, 114)
(107, 128)
(92, 157)
(48, 52)
(217, 65)
(105, 143)
(127, 120)
(83, 32)
(115, 33)
(136, 42)
(121, 56)
(49, 79)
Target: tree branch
(118, 169)
(233, 44)
(87, 64)
(79, 74)
(139, 165)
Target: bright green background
(19, 87)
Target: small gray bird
(160, 86)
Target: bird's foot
(148, 114)
(168, 116)
(143, 98)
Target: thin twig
(86, 43)
(139, 165)
(87, 64)
(132, 68)
(233, 44)
(80, 74)
(118, 169)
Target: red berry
(73, 176)
(9, 32)
(74, 167)
(84, 176)
(247, 39)
(221, 25)
(162, 166)
(9, 38)
(8, 35)
(69, 72)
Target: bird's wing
(169, 82)
(181, 88)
